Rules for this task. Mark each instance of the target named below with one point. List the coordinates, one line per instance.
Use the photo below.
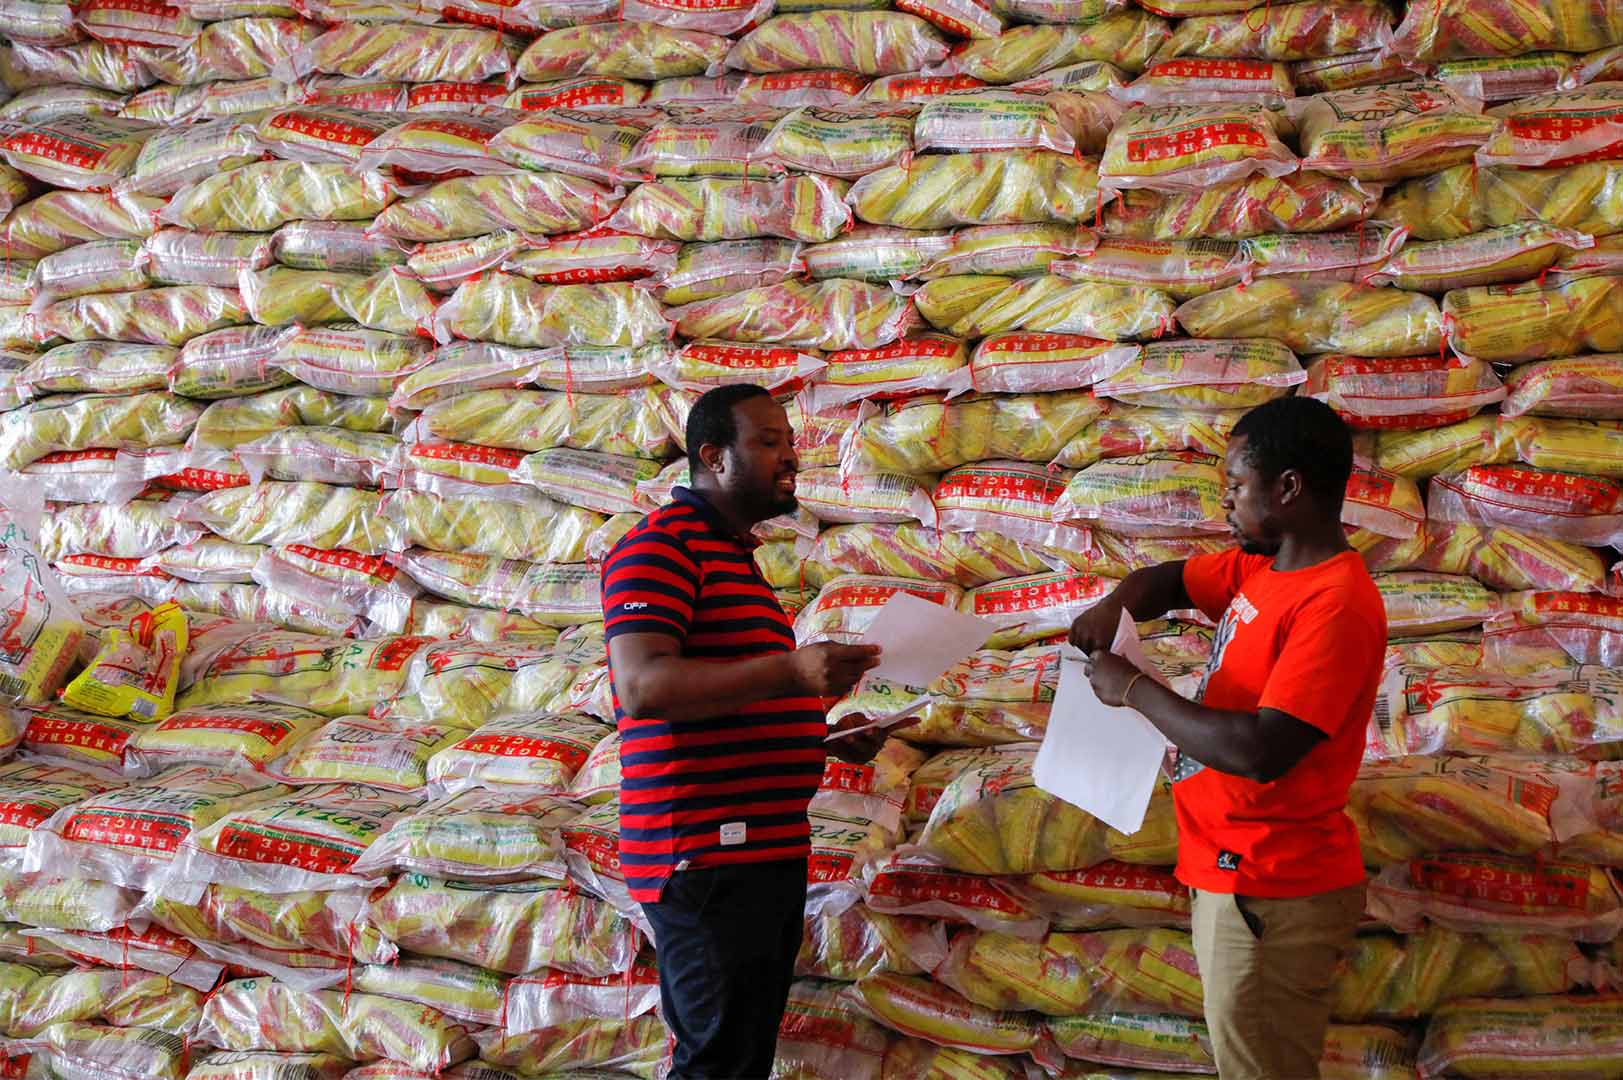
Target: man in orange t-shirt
(1272, 741)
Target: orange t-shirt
(1308, 642)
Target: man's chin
(785, 504)
(1258, 547)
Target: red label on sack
(805, 1027)
(846, 81)
(59, 148)
(202, 480)
(1193, 141)
(844, 776)
(109, 564)
(1550, 885)
(930, 14)
(68, 457)
(1118, 875)
(1369, 487)
(462, 93)
(604, 93)
(592, 275)
(1578, 604)
(1030, 597)
(272, 731)
(959, 890)
(603, 852)
(284, 847)
(857, 596)
(132, 829)
(1582, 493)
(1031, 343)
(699, 5)
(370, 565)
(995, 484)
(901, 350)
(46, 730)
(24, 813)
(1196, 68)
(471, 453)
(902, 89)
(394, 654)
(824, 866)
(1399, 365)
(457, 129)
(524, 746)
(324, 128)
(741, 356)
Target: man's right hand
(1095, 629)
(828, 669)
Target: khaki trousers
(1265, 966)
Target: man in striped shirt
(722, 725)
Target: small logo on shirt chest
(1243, 608)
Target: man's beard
(1255, 546)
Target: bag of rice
(711, 270)
(1580, 446)
(98, 267)
(32, 792)
(1579, 387)
(1498, 256)
(1011, 498)
(419, 54)
(1022, 363)
(912, 550)
(867, 42)
(1299, 203)
(807, 208)
(98, 367)
(80, 152)
(724, 141)
(1531, 321)
(1565, 506)
(84, 421)
(264, 195)
(1199, 81)
(923, 435)
(590, 142)
(621, 50)
(1316, 317)
(825, 1033)
(343, 246)
(318, 515)
(1160, 494)
(1215, 376)
(846, 141)
(536, 752)
(181, 257)
(847, 604)
(453, 143)
(1306, 30)
(1355, 255)
(1182, 269)
(513, 311)
(838, 314)
(1050, 304)
(1497, 1039)
(993, 188)
(131, 836)
(514, 928)
(1387, 133)
(877, 254)
(917, 1006)
(1126, 40)
(226, 738)
(552, 594)
(796, 89)
(1452, 28)
(1037, 607)
(638, 1046)
(1411, 807)
(163, 316)
(1191, 147)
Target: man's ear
(710, 455)
(1288, 487)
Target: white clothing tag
(732, 833)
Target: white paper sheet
(1101, 758)
(921, 640)
(912, 708)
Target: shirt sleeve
(1212, 580)
(650, 586)
(1330, 644)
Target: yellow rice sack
(847, 141)
(926, 435)
(1008, 498)
(917, 1006)
(540, 203)
(1488, 1039)
(1403, 392)
(846, 605)
(264, 195)
(530, 420)
(1546, 712)
(966, 559)
(1462, 200)
(136, 671)
(521, 524)
(1411, 807)
(1509, 253)
(317, 515)
(1584, 387)
(476, 835)
(1161, 494)
(1052, 304)
(1381, 134)
(1259, 205)
(163, 316)
(1306, 30)
(80, 152)
(1129, 431)
(527, 751)
(992, 188)
(834, 314)
(1565, 506)
(867, 42)
(1476, 892)
(1530, 321)
(1316, 317)
(80, 422)
(1179, 268)
(1190, 147)
(1453, 28)
(1126, 39)
(388, 754)
(1205, 375)
(636, 1047)
(231, 738)
(803, 207)
(621, 50)
(392, 52)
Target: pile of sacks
(340, 340)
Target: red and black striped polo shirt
(731, 789)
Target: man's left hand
(863, 747)
(1109, 675)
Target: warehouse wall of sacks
(362, 329)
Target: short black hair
(711, 419)
(1304, 434)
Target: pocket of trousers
(1253, 921)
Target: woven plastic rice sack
(807, 208)
(1583, 627)
(321, 133)
(1314, 317)
(725, 140)
(230, 738)
(513, 311)
(922, 1008)
(885, 498)
(120, 23)
(833, 314)
(1382, 133)
(1206, 375)
(847, 604)
(307, 840)
(1008, 249)
(918, 1057)
(80, 740)
(267, 1065)
(99, 367)
(1490, 1039)
(1136, 1040)
(870, 43)
(704, 364)
(65, 903)
(339, 581)
(470, 367)
(288, 922)
(264, 195)
(344, 359)
(877, 253)
(80, 422)
(553, 594)
(911, 550)
(1307, 30)
(1026, 362)
(606, 483)
(825, 1033)
(456, 143)
(1159, 494)
(164, 316)
(131, 836)
(136, 670)
(232, 422)
(1300, 203)
(1414, 806)
(707, 271)
(1126, 40)
(318, 515)
(1506, 254)
(625, 50)
(1553, 130)
(1490, 892)
(81, 152)
(1584, 446)
(1190, 147)
(1419, 603)
(93, 1050)
(912, 87)
(1354, 255)
(97, 267)
(1528, 322)
(1579, 386)
(1009, 498)
(259, 1014)
(180, 257)
(923, 435)
(326, 455)
(333, 676)
(1109, 894)
(1189, 82)
(1383, 503)
(1037, 607)
(1394, 977)
(445, 265)
(477, 835)
(594, 256)
(529, 751)
(232, 49)
(795, 89)
(89, 63)
(1564, 506)
(995, 188)
(1182, 269)
(1429, 711)
(634, 1047)
(847, 141)
(517, 523)
(990, 120)
(1049, 304)
(336, 245)
(589, 142)
(1454, 29)
(398, 53)
(515, 929)
(386, 754)
(45, 24)
(920, 888)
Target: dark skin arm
(1260, 746)
(1145, 594)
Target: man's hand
(1094, 631)
(863, 747)
(828, 669)
(1109, 675)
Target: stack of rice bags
(362, 332)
